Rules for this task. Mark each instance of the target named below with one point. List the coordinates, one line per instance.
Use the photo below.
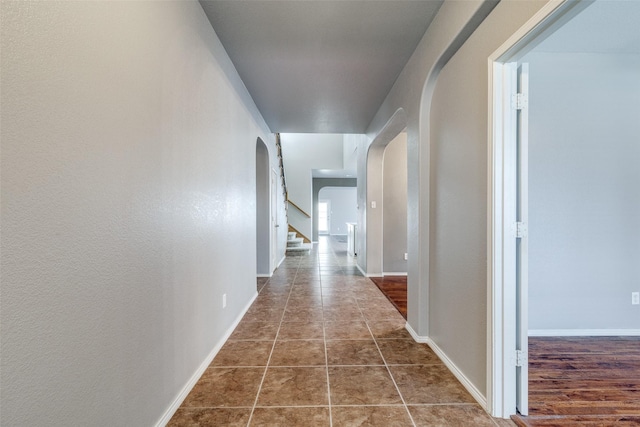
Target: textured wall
(458, 193)
(394, 206)
(128, 207)
(584, 202)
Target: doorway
(324, 216)
(264, 251)
(557, 171)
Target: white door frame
(328, 203)
(502, 194)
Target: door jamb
(501, 315)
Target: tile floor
(322, 346)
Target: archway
(374, 215)
(263, 209)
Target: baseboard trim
(584, 332)
(471, 388)
(364, 273)
(264, 275)
(386, 273)
(282, 260)
(182, 395)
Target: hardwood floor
(583, 381)
(395, 289)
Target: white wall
(394, 205)
(343, 207)
(301, 153)
(584, 180)
(128, 207)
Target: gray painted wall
(584, 181)
(343, 207)
(458, 194)
(394, 206)
(317, 185)
(128, 207)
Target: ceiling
(319, 66)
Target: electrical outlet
(635, 298)
(406, 256)
(224, 300)
(373, 205)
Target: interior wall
(411, 93)
(128, 207)
(458, 129)
(343, 207)
(301, 154)
(394, 205)
(584, 203)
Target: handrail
(299, 208)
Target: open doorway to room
(567, 156)
(324, 217)
(391, 158)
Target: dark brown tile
(389, 329)
(298, 353)
(353, 352)
(370, 416)
(294, 387)
(450, 416)
(225, 387)
(429, 384)
(362, 385)
(205, 417)
(264, 314)
(301, 331)
(347, 330)
(407, 352)
(299, 314)
(310, 417)
(342, 314)
(258, 331)
(243, 353)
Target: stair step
(301, 248)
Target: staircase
(296, 244)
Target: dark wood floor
(583, 381)
(395, 289)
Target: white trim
(386, 273)
(466, 383)
(281, 261)
(365, 274)
(265, 275)
(171, 410)
(584, 332)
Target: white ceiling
(606, 26)
(319, 66)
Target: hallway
(322, 346)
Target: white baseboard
(584, 332)
(264, 275)
(282, 260)
(386, 273)
(361, 270)
(171, 410)
(471, 388)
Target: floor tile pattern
(322, 346)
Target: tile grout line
(275, 340)
(375, 340)
(326, 355)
